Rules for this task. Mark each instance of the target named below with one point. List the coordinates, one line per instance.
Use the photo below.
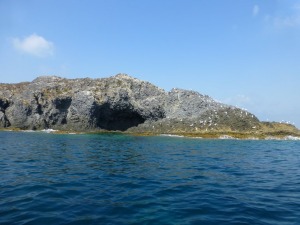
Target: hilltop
(123, 103)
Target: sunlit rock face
(119, 103)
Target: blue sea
(122, 179)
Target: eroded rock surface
(115, 103)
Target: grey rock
(189, 104)
(3, 120)
(115, 103)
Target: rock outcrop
(116, 103)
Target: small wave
(292, 138)
(226, 137)
(252, 138)
(49, 130)
(170, 135)
(272, 138)
(286, 138)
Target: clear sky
(240, 52)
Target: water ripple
(118, 179)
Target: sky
(244, 53)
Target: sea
(48, 178)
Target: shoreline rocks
(118, 103)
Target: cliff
(118, 103)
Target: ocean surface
(120, 179)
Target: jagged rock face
(189, 104)
(115, 103)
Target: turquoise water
(118, 179)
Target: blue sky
(244, 53)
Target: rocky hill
(118, 103)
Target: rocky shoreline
(199, 135)
(125, 104)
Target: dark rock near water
(115, 103)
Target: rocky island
(126, 104)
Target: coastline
(281, 135)
(126, 105)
